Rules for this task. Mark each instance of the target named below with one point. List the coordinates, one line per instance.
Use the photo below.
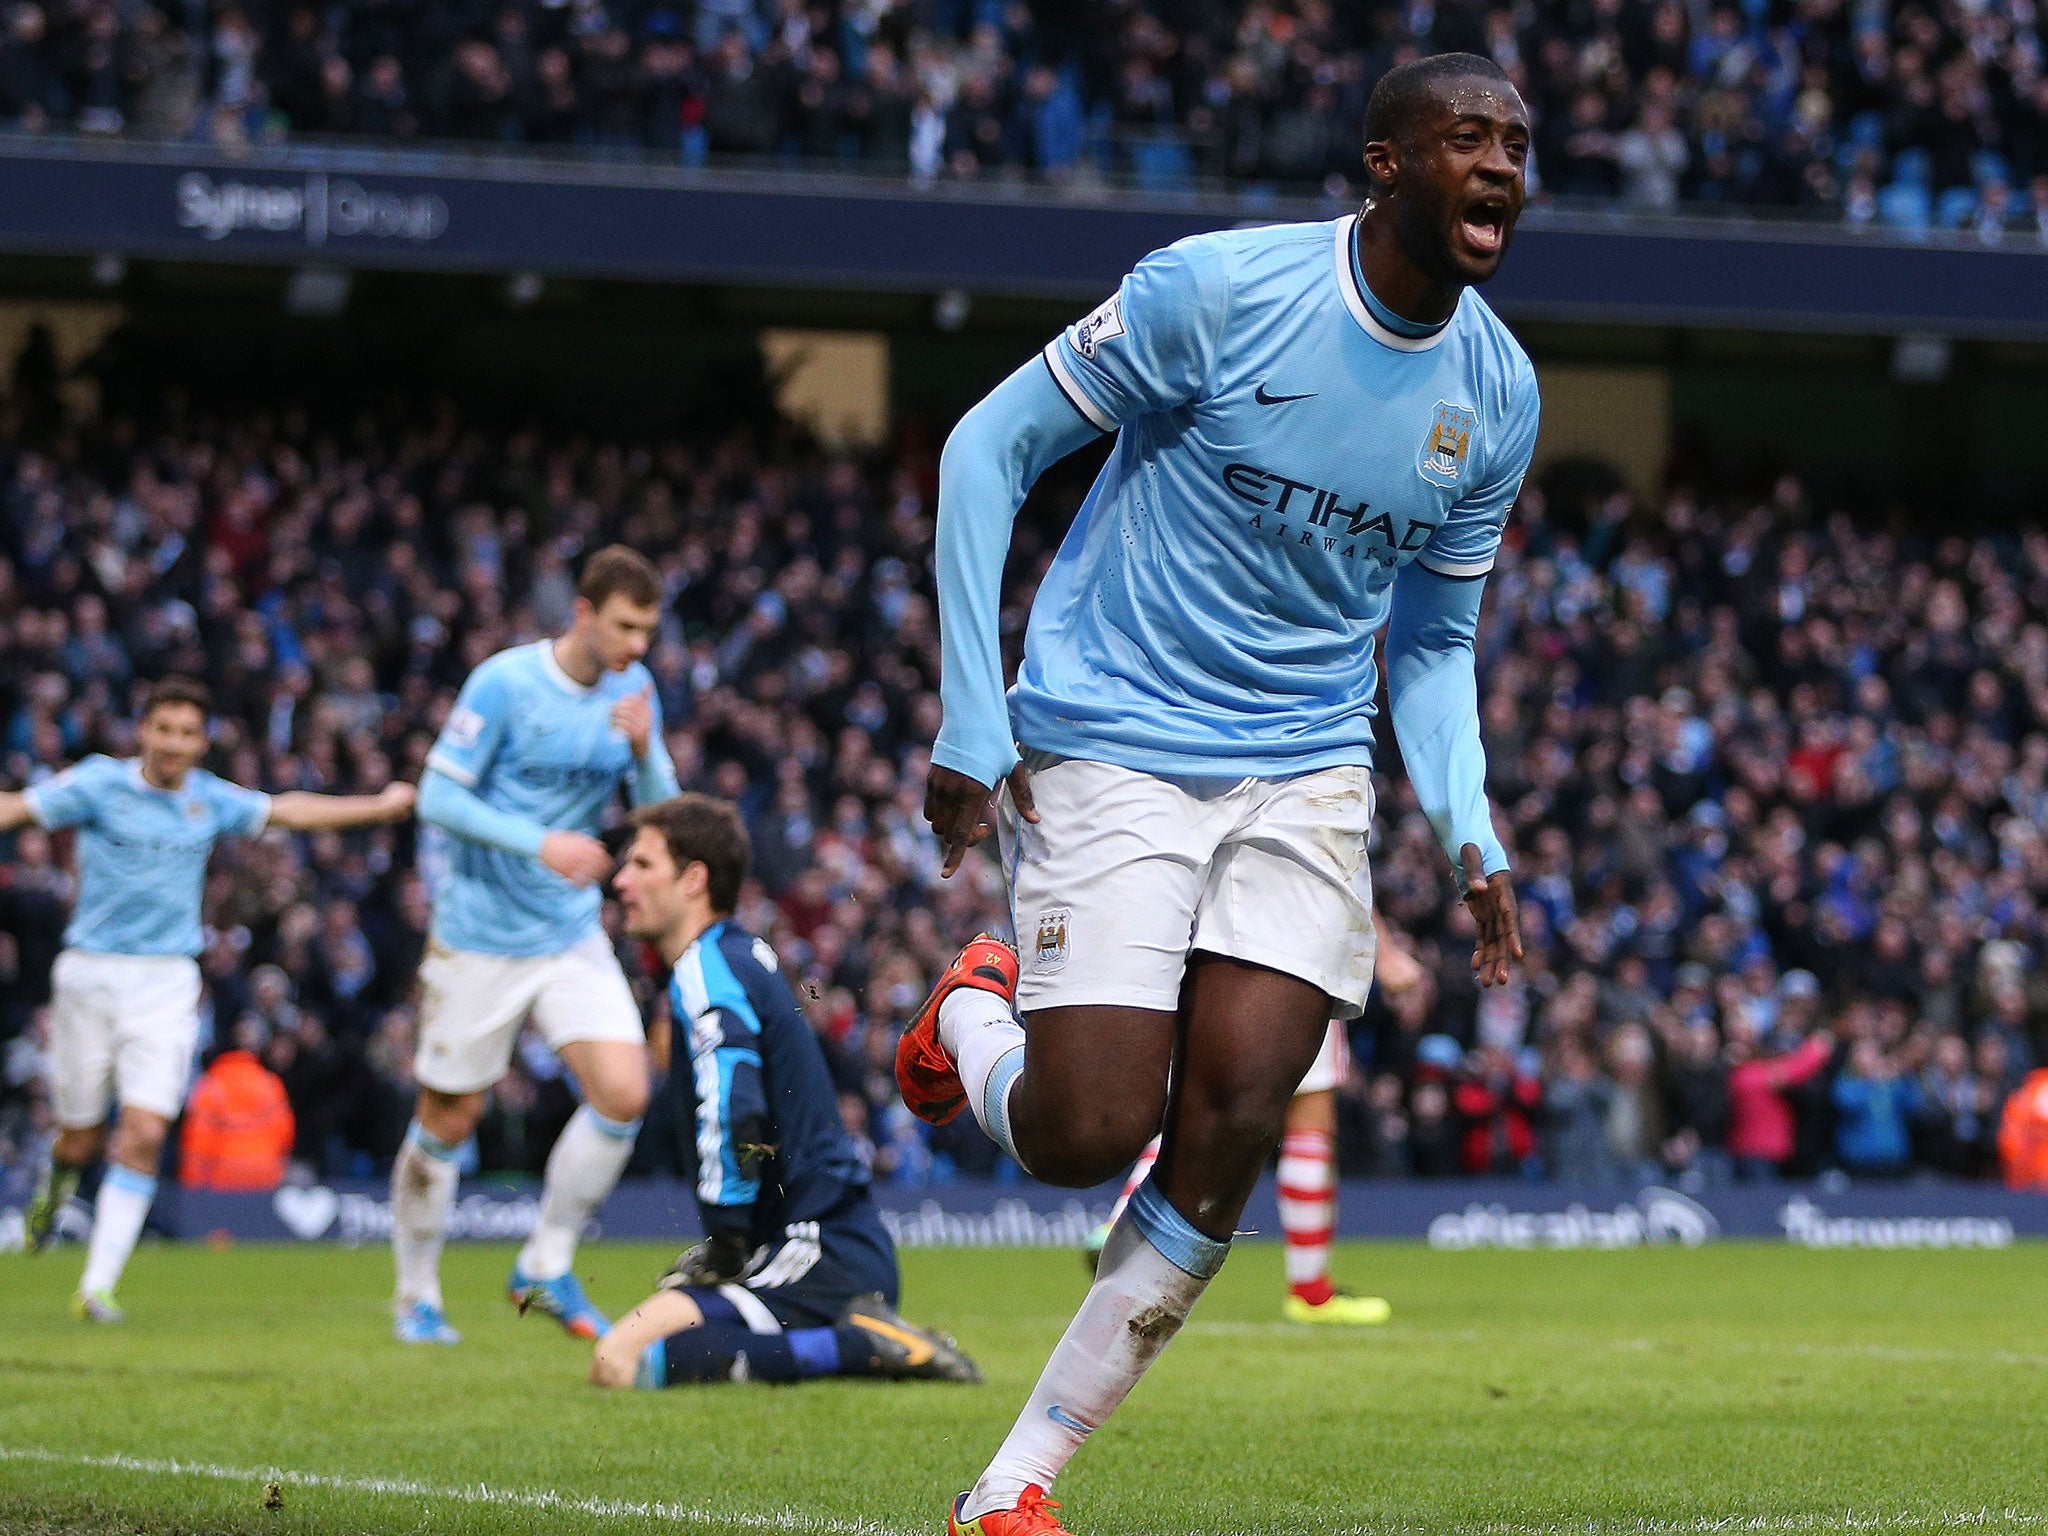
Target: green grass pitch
(1612, 1394)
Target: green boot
(53, 1192)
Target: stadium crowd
(1933, 112)
(1774, 783)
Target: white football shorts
(471, 1007)
(1126, 873)
(121, 1026)
(1330, 1065)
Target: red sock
(1140, 1171)
(1308, 1211)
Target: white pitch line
(793, 1520)
(466, 1493)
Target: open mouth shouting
(1483, 226)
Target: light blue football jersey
(142, 851)
(1285, 445)
(528, 739)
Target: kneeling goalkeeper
(796, 1276)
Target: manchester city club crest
(1444, 451)
(1049, 953)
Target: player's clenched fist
(962, 810)
(633, 718)
(396, 800)
(576, 857)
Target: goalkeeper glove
(720, 1257)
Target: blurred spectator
(1635, 1112)
(1433, 1138)
(1876, 1105)
(35, 904)
(1959, 1111)
(2023, 1135)
(1652, 155)
(238, 1128)
(1577, 1101)
(1761, 1127)
(1497, 1103)
(1923, 114)
(1696, 1106)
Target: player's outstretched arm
(14, 811)
(300, 811)
(991, 461)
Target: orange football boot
(925, 1076)
(1033, 1516)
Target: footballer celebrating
(534, 752)
(124, 994)
(1320, 430)
(796, 1276)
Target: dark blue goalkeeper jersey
(770, 1148)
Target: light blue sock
(982, 1035)
(995, 1098)
(1174, 1235)
(431, 1145)
(123, 1205)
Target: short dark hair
(618, 571)
(177, 690)
(1407, 89)
(700, 829)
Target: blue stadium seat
(1907, 208)
(1060, 128)
(1101, 125)
(1955, 207)
(1987, 166)
(1862, 136)
(1913, 168)
(1162, 164)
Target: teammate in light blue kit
(124, 998)
(1320, 431)
(531, 758)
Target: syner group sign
(317, 207)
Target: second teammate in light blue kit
(540, 740)
(124, 994)
(1320, 431)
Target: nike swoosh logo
(1263, 398)
(1060, 1415)
(920, 1350)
